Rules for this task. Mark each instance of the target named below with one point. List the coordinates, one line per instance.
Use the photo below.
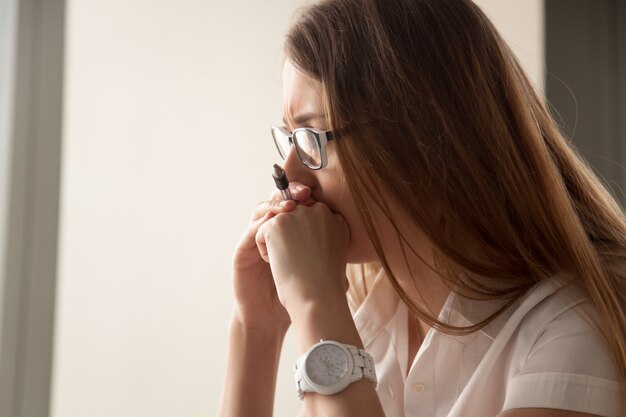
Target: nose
(295, 168)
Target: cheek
(361, 249)
(337, 197)
(338, 200)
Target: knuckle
(279, 219)
(265, 207)
(321, 207)
(282, 219)
(257, 215)
(258, 210)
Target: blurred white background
(166, 152)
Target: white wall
(167, 150)
(521, 23)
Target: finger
(299, 192)
(260, 243)
(271, 206)
(346, 284)
(247, 241)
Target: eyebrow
(303, 118)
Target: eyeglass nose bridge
(292, 145)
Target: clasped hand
(307, 251)
(295, 250)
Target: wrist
(274, 331)
(294, 297)
(330, 320)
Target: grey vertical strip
(584, 75)
(29, 272)
(613, 100)
(8, 304)
(621, 82)
(8, 27)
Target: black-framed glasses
(310, 144)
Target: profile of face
(303, 107)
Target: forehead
(301, 93)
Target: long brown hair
(440, 111)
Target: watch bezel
(339, 385)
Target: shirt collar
(381, 303)
(378, 308)
(462, 312)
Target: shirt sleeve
(569, 367)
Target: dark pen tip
(280, 178)
(278, 171)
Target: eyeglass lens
(306, 143)
(282, 142)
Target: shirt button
(418, 387)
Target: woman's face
(302, 96)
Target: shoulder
(562, 360)
(564, 333)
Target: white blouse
(541, 352)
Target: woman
(423, 149)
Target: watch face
(326, 365)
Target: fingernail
(282, 203)
(300, 187)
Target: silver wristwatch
(328, 367)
